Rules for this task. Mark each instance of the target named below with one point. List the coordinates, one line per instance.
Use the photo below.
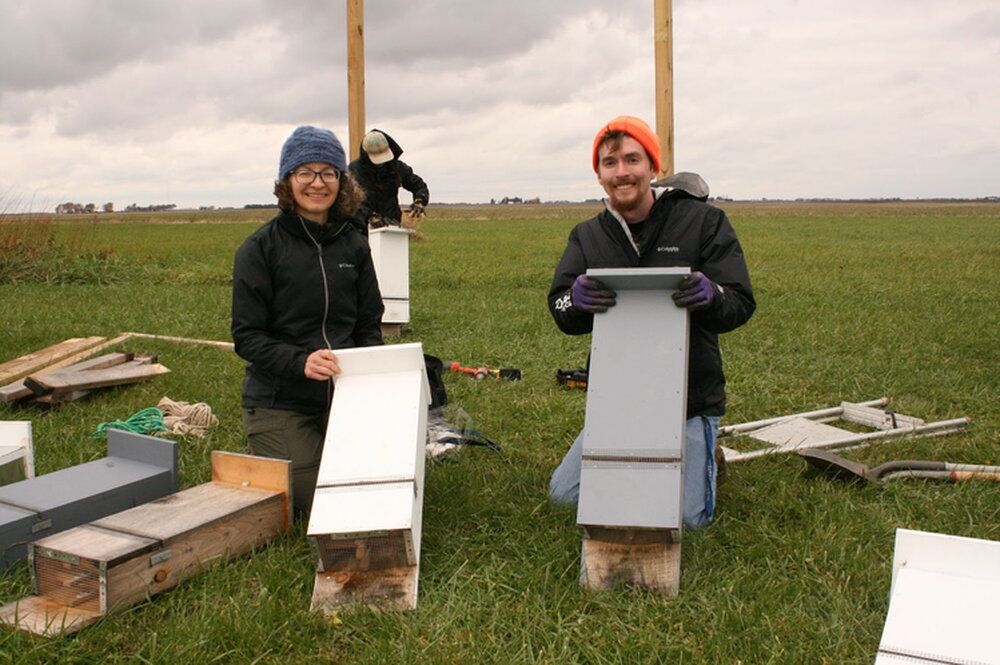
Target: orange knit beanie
(635, 128)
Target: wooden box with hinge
(111, 563)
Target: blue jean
(699, 472)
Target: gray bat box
(632, 473)
(137, 469)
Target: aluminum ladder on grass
(811, 429)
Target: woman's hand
(321, 365)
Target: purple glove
(590, 295)
(695, 291)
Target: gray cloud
(775, 98)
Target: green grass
(856, 301)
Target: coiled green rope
(142, 422)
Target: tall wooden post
(355, 75)
(663, 53)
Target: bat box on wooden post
(631, 479)
(390, 247)
(366, 512)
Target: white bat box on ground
(366, 512)
(943, 601)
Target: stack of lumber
(66, 372)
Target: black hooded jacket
(381, 183)
(679, 232)
(299, 286)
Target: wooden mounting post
(355, 76)
(663, 52)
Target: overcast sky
(188, 102)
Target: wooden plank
(14, 391)
(177, 514)
(254, 471)
(18, 390)
(389, 588)
(188, 340)
(60, 397)
(606, 566)
(41, 616)
(243, 470)
(19, 368)
(798, 433)
(69, 380)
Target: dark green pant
(292, 436)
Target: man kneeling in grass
(645, 226)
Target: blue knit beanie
(311, 144)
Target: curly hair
(349, 196)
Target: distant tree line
(71, 208)
(511, 200)
(158, 207)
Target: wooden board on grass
(387, 588)
(19, 368)
(67, 380)
(655, 566)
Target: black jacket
(280, 314)
(680, 231)
(382, 182)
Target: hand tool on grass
(572, 378)
(848, 470)
(508, 373)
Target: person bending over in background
(381, 173)
(644, 225)
(303, 286)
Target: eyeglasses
(306, 176)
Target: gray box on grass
(137, 469)
(632, 472)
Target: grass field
(855, 302)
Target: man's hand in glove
(417, 209)
(696, 291)
(590, 295)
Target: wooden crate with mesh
(103, 567)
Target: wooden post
(663, 53)
(355, 76)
